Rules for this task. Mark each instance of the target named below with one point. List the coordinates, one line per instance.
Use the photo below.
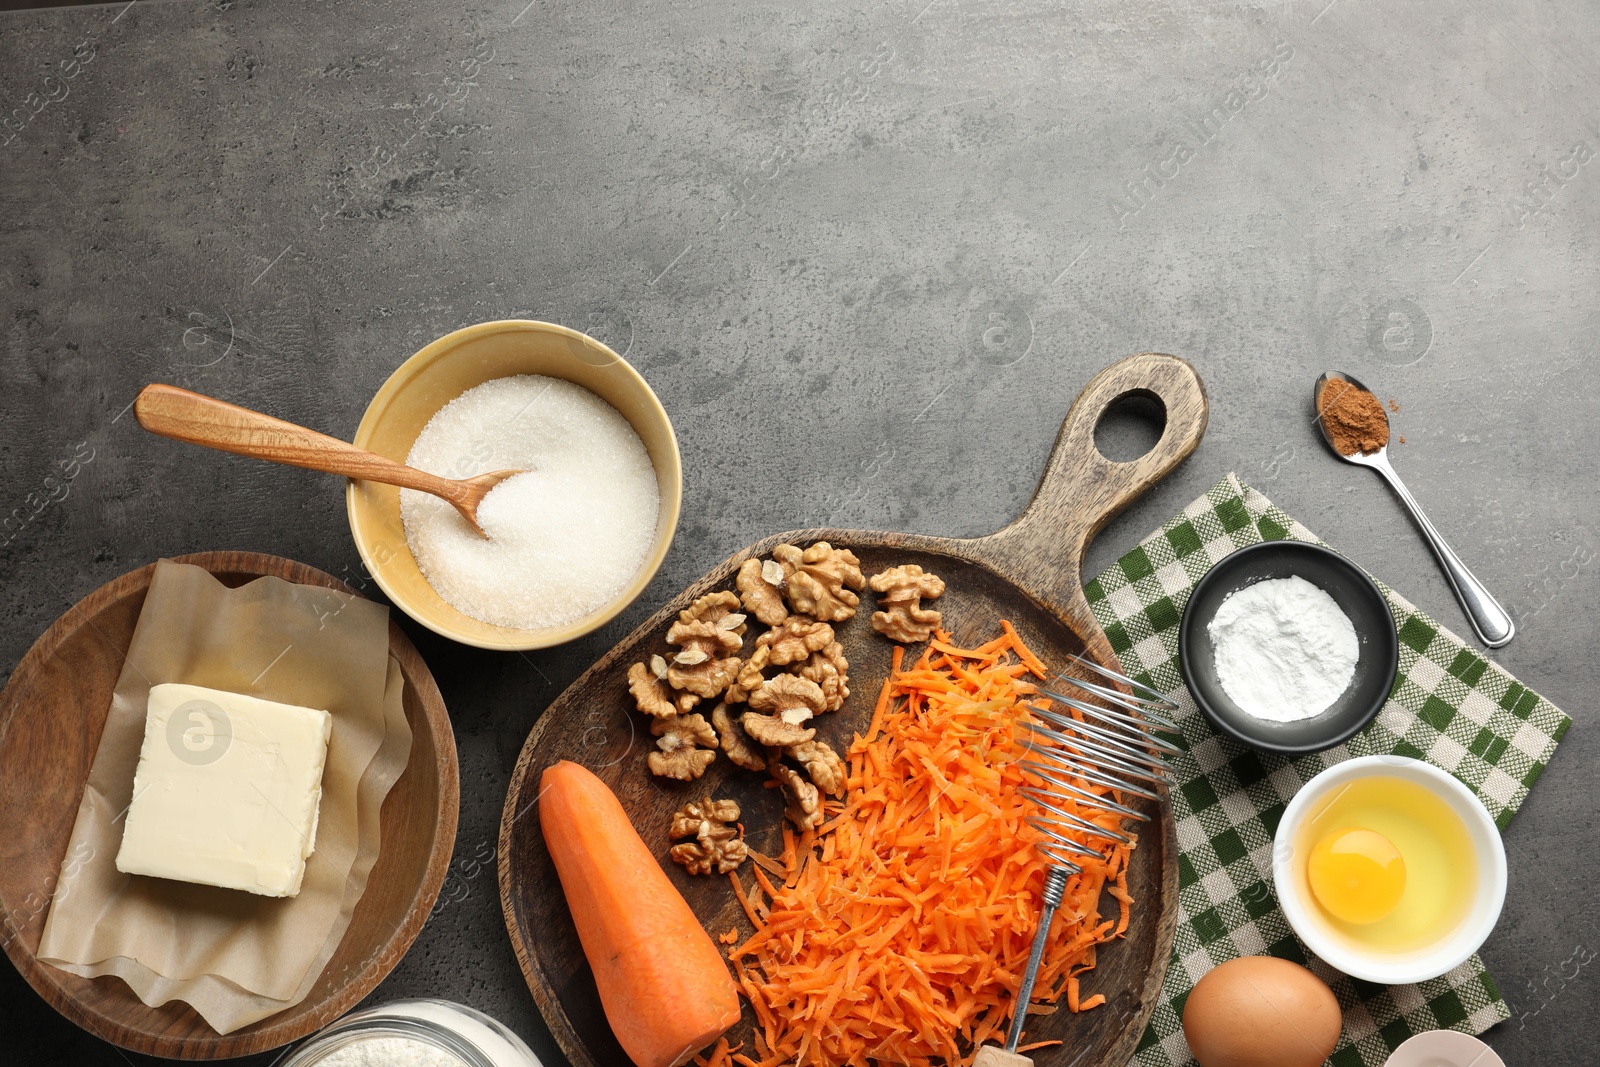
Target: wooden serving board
(1028, 572)
(51, 715)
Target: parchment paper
(235, 957)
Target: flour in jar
(567, 536)
(1284, 650)
(389, 1052)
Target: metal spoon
(203, 420)
(1491, 621)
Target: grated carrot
(768, 864)
(721, 1055)
(717, 1057)
(744, 900)
(898, 931)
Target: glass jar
(472, 1037)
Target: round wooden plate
(1028, 573)
(51, 715)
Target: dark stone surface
(866, 257)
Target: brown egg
(1260, 1011)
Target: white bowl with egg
(499, 352)
(1471, 867)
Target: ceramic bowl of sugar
(572, 541)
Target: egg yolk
(1357, 875)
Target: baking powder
(1284, 650)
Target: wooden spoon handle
(1081, 490)
(203, 420)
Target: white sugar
(564, 538)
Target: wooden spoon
(203, 420)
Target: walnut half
(822, 763)
(788, 698)
(903, 619)
(820, 579)
(716, 845)
(702, 666)
(735, 742)
(773, 732)
(652, 696)
(686, 746)
(828, 668)
(794, 639)
(802, 802)
(760, 595)
(720, 609)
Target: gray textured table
(866, 255)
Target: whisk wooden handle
(995, 1056)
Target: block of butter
(227, 790)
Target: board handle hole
(1130, 426)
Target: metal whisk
(1110, 746)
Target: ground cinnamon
(1353, 418)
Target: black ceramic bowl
(1357, 596)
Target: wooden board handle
(1081, 489)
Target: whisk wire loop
(1072, 751)
(1124, 739)
(1082, 796)
(1109, 744)
(1136, 721)
(1141, 693)
(1094, 777)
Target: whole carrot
(663, 984)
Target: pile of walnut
(762, 699)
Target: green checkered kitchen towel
(1449, 706)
